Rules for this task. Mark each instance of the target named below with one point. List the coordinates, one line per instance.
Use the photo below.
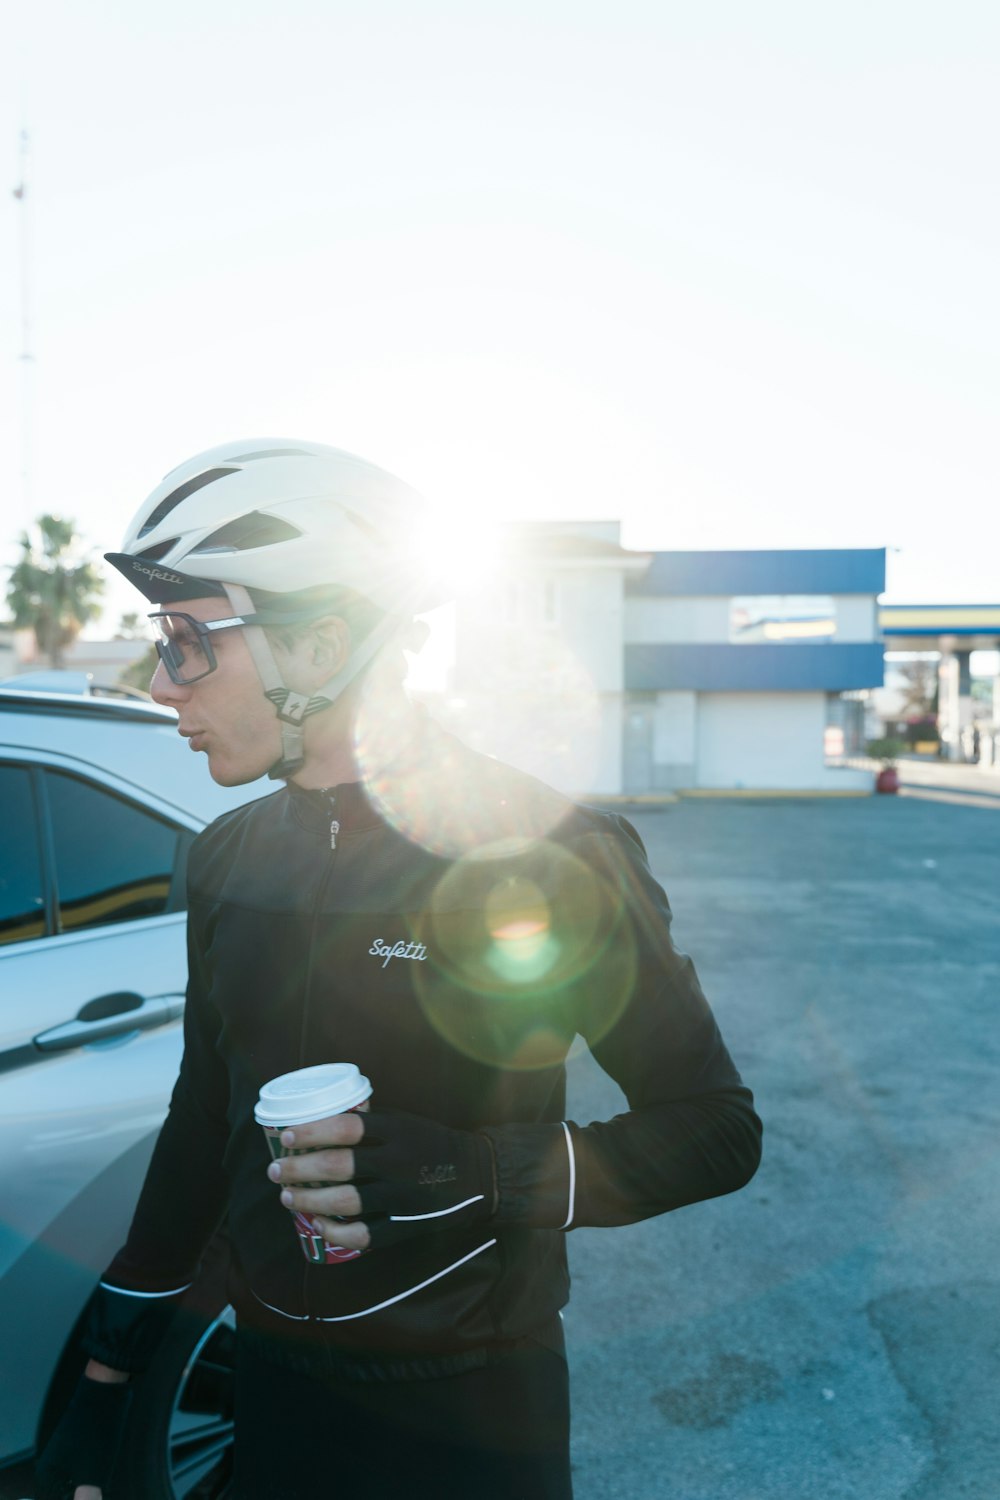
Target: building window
(766, 618)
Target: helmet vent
(175, 497)
(154, 554)
(247, 532)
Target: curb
(664, 799)
(703, 792)
(635, 799)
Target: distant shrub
(886, 750)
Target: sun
(459, 554)
(460, 550)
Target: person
(445, 922)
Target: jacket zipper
(320, 892)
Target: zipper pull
(334, 830)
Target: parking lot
(832, 1331)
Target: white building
(609, 671)
(102, 661)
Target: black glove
(84, 1446)
(415, 1176)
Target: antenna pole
(25, 358)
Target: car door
(92, 975)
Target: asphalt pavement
(832, 1332)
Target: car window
(22, 896)
(113, 861)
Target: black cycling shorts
(500, 1432)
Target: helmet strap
(366, 652)
(292, 707)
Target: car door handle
(111, 1015)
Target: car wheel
(179, 1444)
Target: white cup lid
(311, 1094)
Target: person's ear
(330, 643)
(315, 653)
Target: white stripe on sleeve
(346, 1317)
(572, 1177)
(126, 1293)
(438, 1213)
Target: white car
(99, 803)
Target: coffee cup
(299, 1098)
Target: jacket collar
(349, 803)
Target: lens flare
(526, 946)
(428, 785)
(522, 694)
(518, 921)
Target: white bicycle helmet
(283, 517)
(274, 515)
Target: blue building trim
(844, 571)
(769, 667)
(931, 630)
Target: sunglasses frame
(204, 629)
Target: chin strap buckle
(292, 753)
(291, 707)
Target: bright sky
(726, 272)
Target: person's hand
(391, 1175)
(79, 1457)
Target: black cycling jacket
(450, 927)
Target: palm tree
(132, 627)
(54, 589)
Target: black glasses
(184, 644)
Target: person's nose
(164, 690)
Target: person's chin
(225, 773)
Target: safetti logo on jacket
(388, 951)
